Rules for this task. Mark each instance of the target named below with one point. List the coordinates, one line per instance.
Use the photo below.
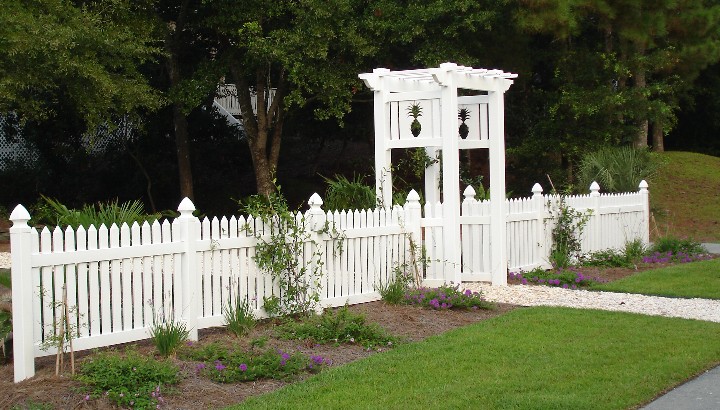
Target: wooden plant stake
(61, 335)
(69, 329)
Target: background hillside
(685, 197)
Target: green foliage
(103, 43)
(168, 335)
(279, 250)
(567, 278)
(223, 365)
(31, 405)
(5, 330)
(239, 317)
(128, 381)
(676, 245)
(611, 258)
(394, 290)
(566, 233)
(339, 326)
(446, 297)
(343, 194)
(617, 169)
(5, 278)
(51, 212)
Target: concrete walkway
(700, 393)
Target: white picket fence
(119, 278)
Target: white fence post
(316, 223)
(595, 236)
(187, 229)
(646, 212)
(541, 248)
(22, 294)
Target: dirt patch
(193, 392)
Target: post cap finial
(19, 216)
(186, 207)
(537, 189)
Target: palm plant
(617, 169)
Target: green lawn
(5, 277)
(687, 280)
(685, 196)
(534, 358)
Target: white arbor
(435, 92)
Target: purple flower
(317, 359)
(468, 292)
(243, 367)
(87, 397)
(219, 366)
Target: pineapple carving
(463, 115)
(415, 111)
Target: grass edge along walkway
(531, 358)
(686, 280)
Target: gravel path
(701, 309)
(5, 260)
(524, 295)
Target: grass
(696, 179)
(687, 280)
(536, 358)
(5, 277)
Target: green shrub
(617, 169)
(51, 212)
(128, 381)
(677, 245)
(337, 326)
(343, 194)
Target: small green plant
(393, 291)
(566, 233)
(5, 330)
(446, 297)
(337, 326)
(128, 380)
(343, 194)
(239, 317)
(168, 334)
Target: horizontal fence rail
(119, 280)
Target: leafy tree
(83, 55)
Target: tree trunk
(264, 129)
(180, 125)
(182, 144)
(640, 85)
(658, 137)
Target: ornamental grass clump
(446, 297)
